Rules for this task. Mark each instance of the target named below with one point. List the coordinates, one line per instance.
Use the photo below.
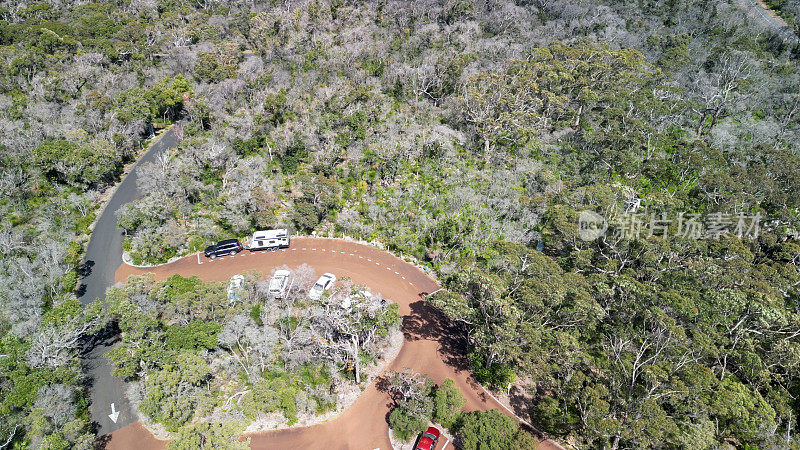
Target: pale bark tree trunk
(356, 365)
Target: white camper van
(269, 240)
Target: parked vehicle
(235, 288)
(324, 283)
(347, 302)
(279, 283)
(428, 439)
(269, 240)
(222, 248)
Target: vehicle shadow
(428, 323)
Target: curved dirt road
(429, 346)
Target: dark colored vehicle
(222, 248)
(428, 439)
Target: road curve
(762, 16)
(430, 347)
(102, 257)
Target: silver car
(279, 283)
(324, 283)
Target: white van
(269, 240)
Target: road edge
(108, 194)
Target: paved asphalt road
(103, 257)
(763, 17)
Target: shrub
(496, 375)
(255, 314)
(198, 334)
(447, 404)
(407, 421)
(490, 430)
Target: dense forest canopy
(469, 134)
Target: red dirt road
(429, 345)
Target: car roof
(425, 442)
(433, 430)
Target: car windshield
(275, 284)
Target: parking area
(431, 346)
(309, 253)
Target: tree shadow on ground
(102, 442)
(521, 402)
(428, 323)
(383, 384)
(106, 337)
(92, 347)
(84, 270)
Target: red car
(428, 439)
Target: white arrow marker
(114, 414)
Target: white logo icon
(591, 225)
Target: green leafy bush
(196, 335)
(407, 421)
(447, 403)
(491, 430)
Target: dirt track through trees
(430, 346)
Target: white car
(324, 283)
(235, 288)
(279, 283)
(347, 302)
